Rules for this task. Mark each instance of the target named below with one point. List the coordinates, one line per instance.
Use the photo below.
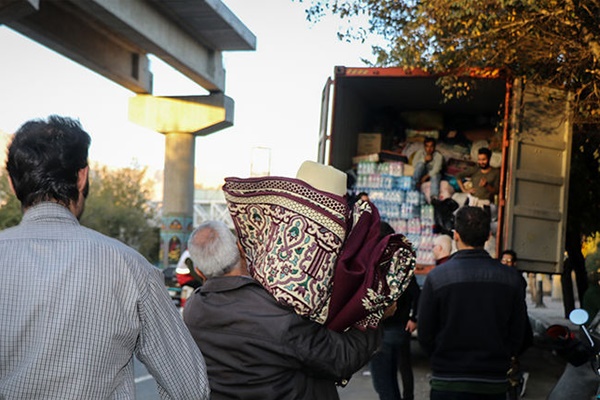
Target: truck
(530, 125)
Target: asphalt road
(145, 385)
(543, 366)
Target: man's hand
(482, 182)
(390, 311)
(411, 326)
(469, 189)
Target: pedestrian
(518, 377)
(442, 248)
(428, 165)
(255, 347)
(472, 316)
(394, 355)
(90, 303)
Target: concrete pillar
(178, 195)
(180, 119)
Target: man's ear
(455, 236)
(82, 177)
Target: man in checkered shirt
(75, 305)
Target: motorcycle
(187, 277)
(581, 377)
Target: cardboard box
(368, 143)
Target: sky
(277, 93)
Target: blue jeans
(393, 356)
(435, 179)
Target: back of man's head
(442, 246)
(473, 225)
(213, 248)
(44, 159)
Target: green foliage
(10, 207)
(119, 206)
(549, 42)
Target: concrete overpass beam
(148, 28)
(59, 26)
(180, 119)
(199, 115)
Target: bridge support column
(180, 119)
(178, 195)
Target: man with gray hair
(255, 347)
(442, 248)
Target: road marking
(142, 378)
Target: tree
(10, 208)
(118, 205)
(546, 41)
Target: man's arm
(329, 354)
(418, 157)
(520, 319)
(437, 163)
(166, 347)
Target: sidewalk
(543, 366)
(551, 313)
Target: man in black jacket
(472, 316)
(394, 354)
(254, 347)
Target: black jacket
(472, 316)
(407, 307)
(255, 348)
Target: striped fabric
(76, 306)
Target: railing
(204, 210)
(211, 210)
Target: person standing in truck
(483, 181)
(428, 164)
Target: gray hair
(445, 243)
(213, 248)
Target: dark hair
(486, 151)
(511, 253)
(429, 139)
(44, 159)
(473, 225)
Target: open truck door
(538, 152)
(323, 155)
